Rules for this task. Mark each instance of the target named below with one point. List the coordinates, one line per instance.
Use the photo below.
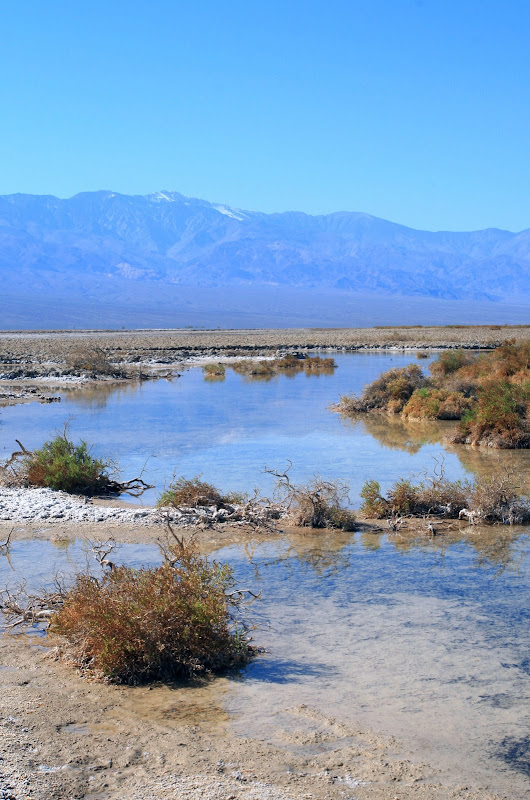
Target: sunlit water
(427, 642)
(424, 641)
(229, 430)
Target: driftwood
(22, 608)
(256, 512)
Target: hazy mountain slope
(169, 238)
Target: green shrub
(138, 625)
(501, 415)
(62, 465)
(450, 361)
(374, 504)
(194, 492)
(427, 403)
(403, 497)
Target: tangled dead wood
(317, 504)
(255, 512)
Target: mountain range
(136, 247)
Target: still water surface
(229, 430)
(427, 641)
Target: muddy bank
(35, 365)
(63, 736)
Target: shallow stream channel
(426, 640)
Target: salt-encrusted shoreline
(23, 504)
(20, 504)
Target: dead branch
(318, 504)
(4, 546)
(22, 608)
(103, 549)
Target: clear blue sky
(417, 111)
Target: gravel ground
(47, 505)
(19, 505)
(33, 364)
(168, 347)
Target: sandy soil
(65, 736)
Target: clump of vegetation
(390, 392)
(63, 465)
(450, 361)
(422, 354)
(214, 371)
(91, 360)
(196, 493)
(317, 364)
(490, 500)
(429, 403)
(138, 625)
(253, 368)
(288, 365)
(488, 393)
(500, 416)
(316, 504)
(374, 505)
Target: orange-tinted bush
(138, 625)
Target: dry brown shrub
(191, 492)
(498, 499)
(138, 625)
(90, 359)
(428, 403)
(214, 370)
(316, 504)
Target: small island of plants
(488, 393)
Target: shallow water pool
(229, 430)
(426, 641)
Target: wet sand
(66, 736)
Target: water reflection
(396, 433)
(95, 397)
(228, 430)
(330, 553)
